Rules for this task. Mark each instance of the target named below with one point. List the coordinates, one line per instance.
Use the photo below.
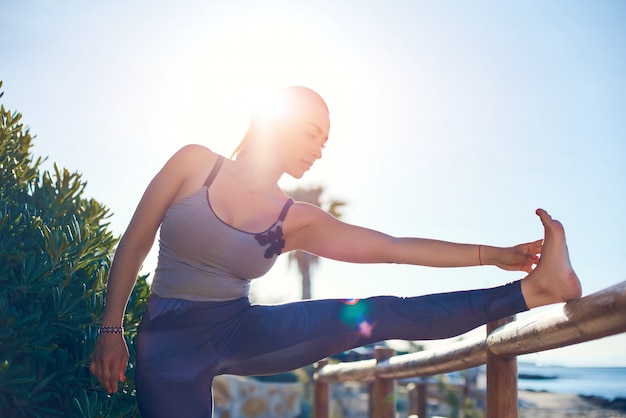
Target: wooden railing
(592, 317)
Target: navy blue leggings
(182, 345)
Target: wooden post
(384, 390)
(417, 398)
(321, 394)
(422, 403)
(501, 380)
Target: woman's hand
(521, 257)
(109, 360)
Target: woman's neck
(256, 175)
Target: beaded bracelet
(110, 330)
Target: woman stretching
(225, 221)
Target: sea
(605, 382)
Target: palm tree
(305, 261)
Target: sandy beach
(556, 405)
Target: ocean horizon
(605, 382)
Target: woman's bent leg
(158, 398)
(176, 358)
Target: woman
(224, 222)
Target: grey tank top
(202, 258)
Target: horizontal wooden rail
(594, 316)
(459, 355)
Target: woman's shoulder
(196, 150)
(186, 170)
(302, 214)
(303, 222)
(193, 156)
(189, 165)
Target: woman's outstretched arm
(311, 229)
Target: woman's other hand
(521, 257)
(109, 360)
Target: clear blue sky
(451, 119)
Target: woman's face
(303, 135)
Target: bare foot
(554, 279)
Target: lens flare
(365, 329)
(271, 106)
(356, 314)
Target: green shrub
(55, 253)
